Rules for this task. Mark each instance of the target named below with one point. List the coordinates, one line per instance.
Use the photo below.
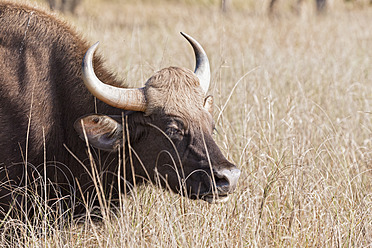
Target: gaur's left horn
(128, 99)
(202, 69)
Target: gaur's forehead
(176, 91)
(175, 77)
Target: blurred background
(292, 82)
(225, 5)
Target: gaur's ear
(208, 104)
(101, 131)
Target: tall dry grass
(293, 110)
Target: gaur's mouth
(213, 198)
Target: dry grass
(294, 102)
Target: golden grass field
(293, 97)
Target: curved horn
(128, 99)
(202, 69)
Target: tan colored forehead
(173, 77)
(174, 90)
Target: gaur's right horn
(202, 69)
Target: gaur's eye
(174, 132)
(175, 129)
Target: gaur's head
(167, 127)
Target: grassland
(293, 97)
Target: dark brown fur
(40, 77)
(42, 94)
(37, 49)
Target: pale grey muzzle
(226, 180)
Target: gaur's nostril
(222, 183)
(226, 179)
